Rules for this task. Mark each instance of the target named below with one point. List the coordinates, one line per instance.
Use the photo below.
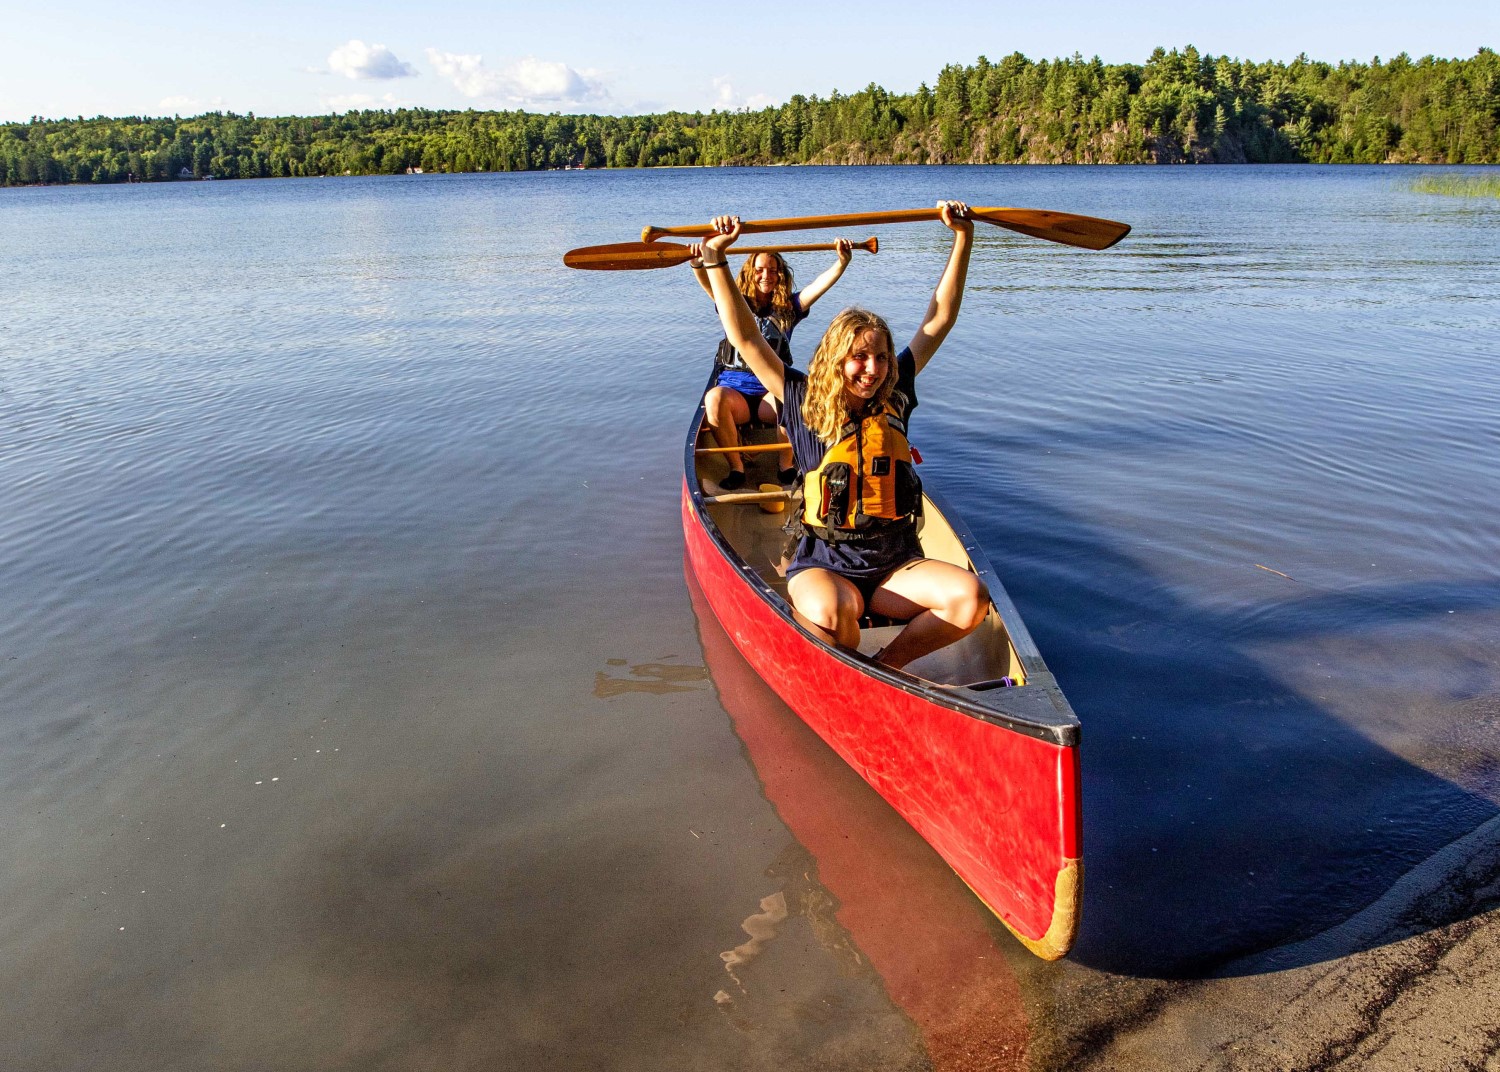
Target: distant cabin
(414, 171)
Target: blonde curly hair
(781, 297)
(824, 409)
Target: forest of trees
(1179, 107)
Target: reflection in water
(897, 908)
(648, 677)
(805, 899)
(761, 927)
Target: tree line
(1180, 106)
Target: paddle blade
(627, 256)
(1086, 232)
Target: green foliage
(1179, 107)
(1459, 185)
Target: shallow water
(353, 708)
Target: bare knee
(832, 614)
(967, 604)
(716, 405)
(821, 609)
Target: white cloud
(359, 60)
(468, 73)
(727, 100)
(528, 83)
(550, 81)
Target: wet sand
(1408, 985)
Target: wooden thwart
(747, 448)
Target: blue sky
(91, 58)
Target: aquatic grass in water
(1459, 185)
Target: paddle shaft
(1088, 232)
(869, 245)
(636, 256)
(749, 497)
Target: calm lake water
(354, 712)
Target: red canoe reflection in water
(911, 917)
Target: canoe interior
(987, 654)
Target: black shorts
(755, 401)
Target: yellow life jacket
(865, 485)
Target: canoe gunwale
(1049, 717)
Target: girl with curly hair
(846, 420)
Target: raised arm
(819, 286)
(696, 264)
(739, 323)
(942, 311)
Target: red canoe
(919, 929)
(985, 771)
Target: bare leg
(945, 604)
(727, 409)
(828, 605)
(770, 414)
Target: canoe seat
(871, 620)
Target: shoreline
(1486, 192)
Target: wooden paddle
(1088, 232)
(625, 256)
(780, 495)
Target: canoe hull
(999, 805)
(935, 953)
